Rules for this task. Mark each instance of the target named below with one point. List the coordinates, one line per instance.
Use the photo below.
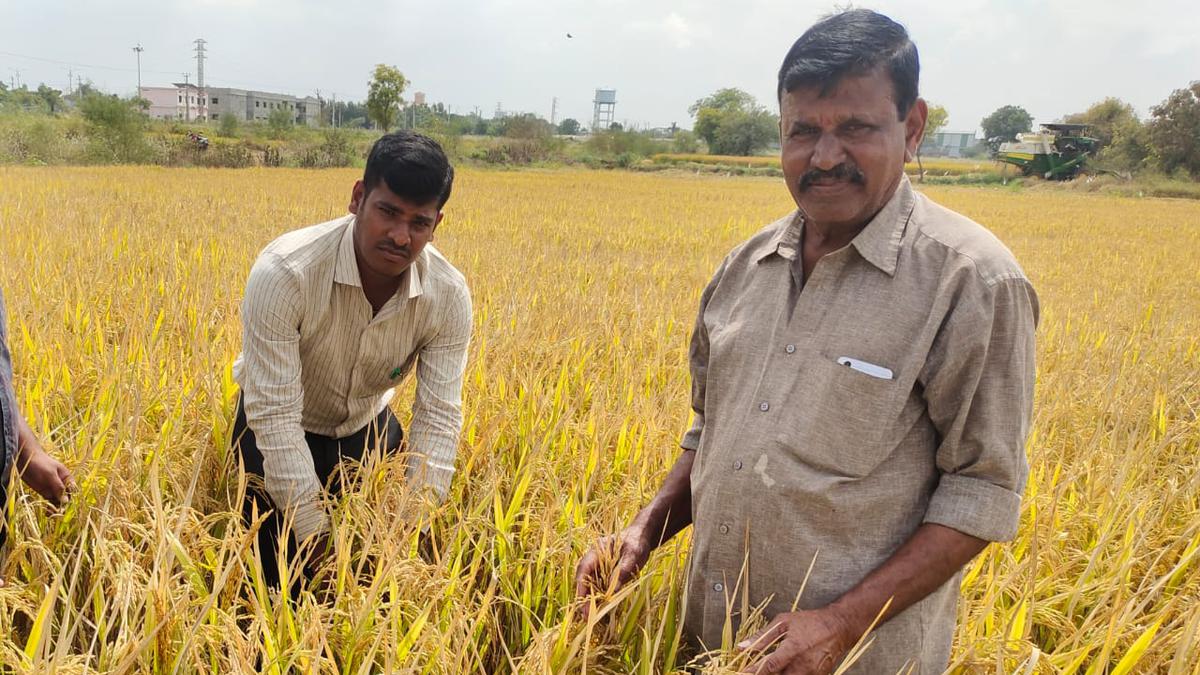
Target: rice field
(935, 166)
(123, 286)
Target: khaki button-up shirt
(834, 417)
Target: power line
(173, 73)
(86, 65)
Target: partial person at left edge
(20, 448)
(335, 316)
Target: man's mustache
(402, 250)
(840, 172)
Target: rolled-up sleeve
(978, 384)
(437, 407)
(273, 395)
(698, 365)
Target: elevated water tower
(604, 109)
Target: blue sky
(1052, 58)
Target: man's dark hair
(413, 166)
(849, 44)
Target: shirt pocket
(844, 418)
(387, 370)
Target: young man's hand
(315, 555)
(45, 475)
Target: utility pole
(554, 111)
(70, 81)
(187, 98)
(334, 115)
(138, 50)
(202, 112)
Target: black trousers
(331, 457)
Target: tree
(1004, 124)
(569, 127)
(709, 110)
(81, 92)
(1104, 118)
(746, 132)
(51, 97)
(384, 95)
(279, 122)
(1130, 147)
(228, 126)
(23, 99)
(731, 122)
(935, 121)
(527, 126)
(1175, 131)
(1120, 134)
(350, 114)
(685, 141)
(115, 129)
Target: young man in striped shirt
(334, 317)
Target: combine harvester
(1057, 152)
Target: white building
(176, 102)
(250, 106)
(187, 102)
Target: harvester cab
(1057, 152)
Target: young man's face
(843, 153)
(391, 231)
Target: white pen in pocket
(866, 368)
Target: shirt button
(764, 406)
(718, 587)
(724, 529)
(791, 349)
(737, 465)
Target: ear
(437, 221)
(356, 197)
(914, 128)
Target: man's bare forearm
(671, 509)
(27, 442)
(928, 559)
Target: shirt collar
(345, 270)
(878, 243)
(786, 240)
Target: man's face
(843, 154)
(391, 231)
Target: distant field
(123, 286)
(936, 166)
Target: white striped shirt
(315, 359)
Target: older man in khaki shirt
(863, 376)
